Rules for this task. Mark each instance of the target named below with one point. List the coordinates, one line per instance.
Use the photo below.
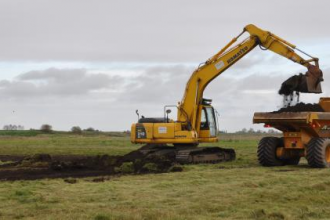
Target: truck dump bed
(289, 117)
(315, 122)
(306, 133)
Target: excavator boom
(220, 62)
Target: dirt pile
(310, 82)
(45, 166)
(301, 107)
(305, 83)
(296, 83)
(291, 88)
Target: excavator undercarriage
(189, 154)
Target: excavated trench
(42, 166)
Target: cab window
(204, 123)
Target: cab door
(208, 124)
(211, 121)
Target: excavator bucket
(307, 83)
(314, 77)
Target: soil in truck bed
(301, 107)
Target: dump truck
(196, 120)
(305, 134)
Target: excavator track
(205, 155)
(190, 154)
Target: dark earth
(42, 166)
(296, 83)
(301, 107)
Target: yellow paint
(163, 130)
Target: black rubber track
(267, 151)
(316, 155)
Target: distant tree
(127, 132)
(20, 127)
(76, 130)
(243, 131)
(272, 131)
(260, 131)
(251, 131)
(90, 129)
(46, 128)
(13, 127)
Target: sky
(93, 63)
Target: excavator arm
(189, 107)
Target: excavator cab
(208, 121)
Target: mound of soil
(301, 107)
(63, 166)
(296, 83)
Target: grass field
(235, 190)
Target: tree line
(252, 131)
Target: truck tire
(267, 151)
(318, 152)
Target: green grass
(235, 190)
(65, 144)
(27, 133)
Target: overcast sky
(93, 63)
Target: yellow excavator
(196, 118)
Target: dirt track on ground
(41, 166)
(60, 166)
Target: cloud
(109, 101)
(57, 82)
(158, 85)
(68, 97)
(120, 31)
(92, 33)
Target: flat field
(234, 190)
